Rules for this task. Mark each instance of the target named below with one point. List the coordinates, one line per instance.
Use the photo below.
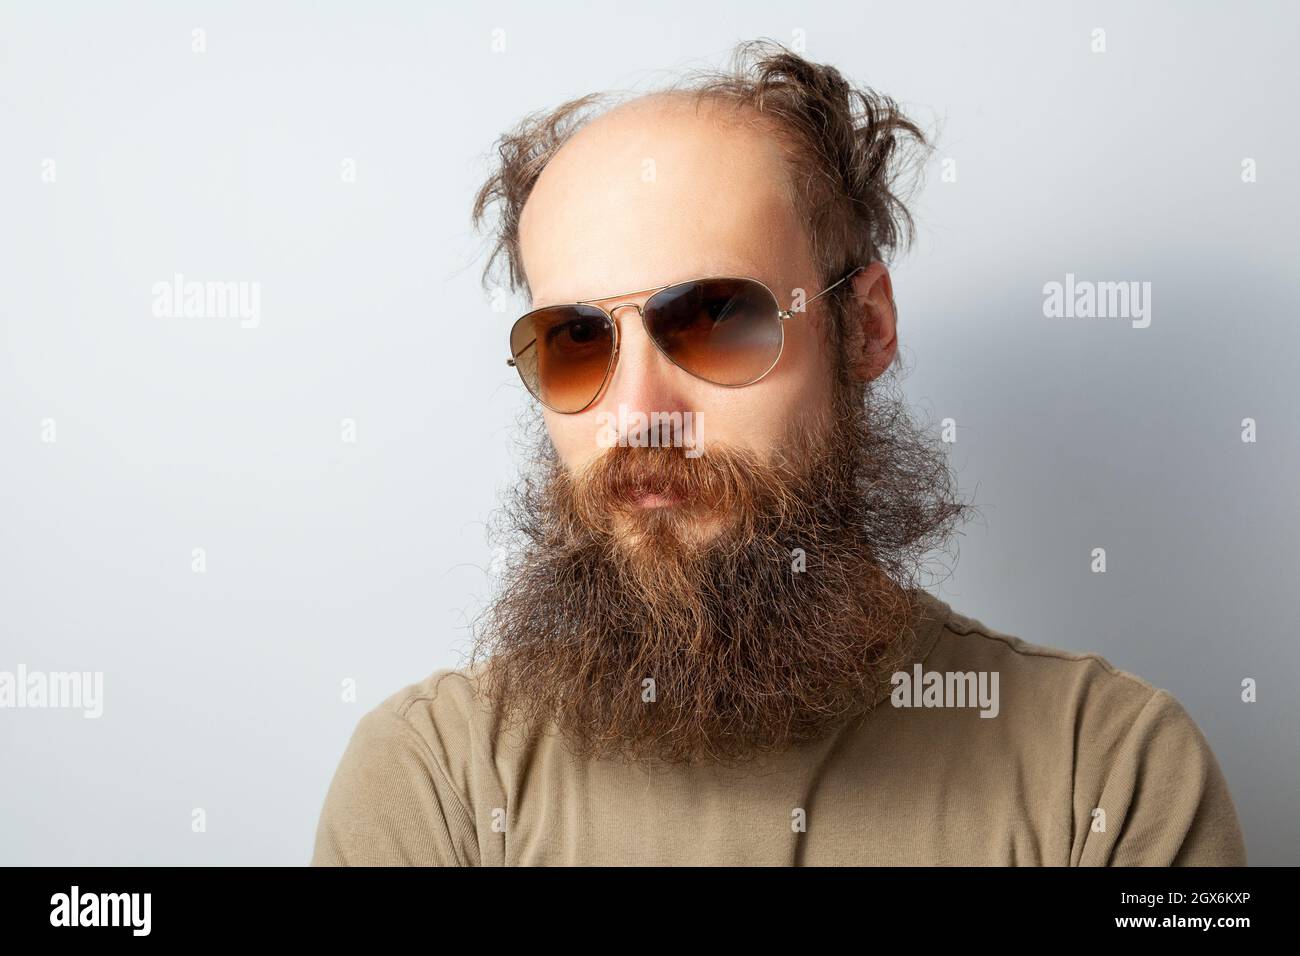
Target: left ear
(871, 336)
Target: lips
(657, 496)
(655, 500)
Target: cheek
(758, 418)
(771, 414)
(574, 437)
(806, 358)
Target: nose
(643, 378)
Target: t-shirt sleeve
(390, 803)
(1165, 799)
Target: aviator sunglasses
(726, 330)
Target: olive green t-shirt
(1064, 761)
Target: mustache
(727, 477)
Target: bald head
(659, 189)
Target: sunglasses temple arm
(511, 361)
(834, 284)
(789, 313)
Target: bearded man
(718, 650)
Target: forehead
(654, 193)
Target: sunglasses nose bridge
(640, 311)
(613, 310)
(618, 338)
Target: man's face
(652, 195)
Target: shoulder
(448, 693)
(1054, 703)
(1130, 748)
(410, 786)
(1037, 679)
(448, 715)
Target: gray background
(328, 561)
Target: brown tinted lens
(563, 354)
(726, 331)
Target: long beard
(633, 635)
